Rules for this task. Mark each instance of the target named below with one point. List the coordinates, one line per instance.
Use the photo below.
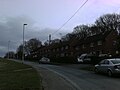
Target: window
(71, 53)
(99, 42)
(115, 61)
(106, 62)
(57, 49)
(66, 54)
(62, 48)
(102, 62)
(93, 52)
(53, 50)
(114, 42)
(66, 47)
(77, 47)
(91, 44)
(83, 46)
(62, 54)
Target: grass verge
(17, 76)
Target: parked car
(108, 66)
(44, 60)
(85, 58)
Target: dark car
(109, 66)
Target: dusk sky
(45, 17)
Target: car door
(106, 66)
(101, 66)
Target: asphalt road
(82, 80)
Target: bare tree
(81, 28)
(19, 52)
(10, 55)
(108, 22)
(81, 31)
(32, 45)
(68, 37)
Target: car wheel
(96, 70)
(109, 73)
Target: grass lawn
(17, 76)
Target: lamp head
(24, 24)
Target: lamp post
(23, 42)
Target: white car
(44, 60)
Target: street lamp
(23, 41)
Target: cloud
(11, 28)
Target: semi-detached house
(102, 43)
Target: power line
(71, 17)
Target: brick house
(102, 43)
(60, 49)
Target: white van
(84, 58)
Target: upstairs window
(99, 42)
(91, 44)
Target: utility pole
(17, 52)
(8, 48)
(49, 39)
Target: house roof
(93, 38)
(61, 44)
(97, 37)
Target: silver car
(109, 66)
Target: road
(82, 80)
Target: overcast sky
(45, 17)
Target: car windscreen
(115, 61)
(81, 57)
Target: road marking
(22, 69)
